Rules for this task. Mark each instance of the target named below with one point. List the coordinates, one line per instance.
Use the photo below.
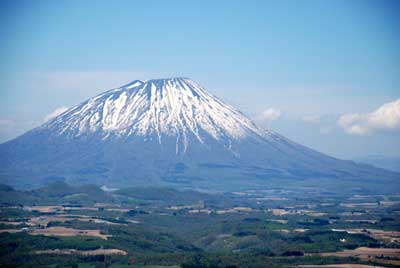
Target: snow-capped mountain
(164, 132)
(161, 108)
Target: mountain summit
(156, 109)
(165, 132)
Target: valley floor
(65, 226)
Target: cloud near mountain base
(386, 117)
(54, 113)
(269, 115)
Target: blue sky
(314, 71)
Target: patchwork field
(63, 231)
(159, 227)
(108, 251)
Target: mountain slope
(164, 132)
(172, 107)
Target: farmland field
(161, 227)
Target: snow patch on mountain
(176, 107)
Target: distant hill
(54, 193)
(61, 193)
(387, 162)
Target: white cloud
(311, 118)
(269, 115)
(386, 117)
(54, 113)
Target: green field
(160, 227)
